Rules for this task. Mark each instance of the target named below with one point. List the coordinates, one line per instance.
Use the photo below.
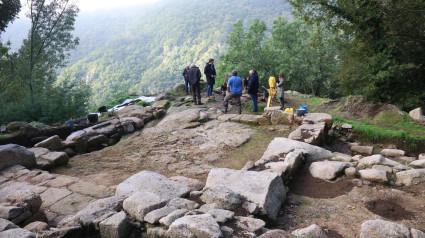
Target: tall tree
(383, 48)
(247, 50)
(50, 39)
(8, 11)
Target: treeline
(305, 54)
(371, 48)
(29, 90)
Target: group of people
(233, 85)
(193, 76)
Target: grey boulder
(12, 154)
(327, 170)
(374, 228)
(265, 189)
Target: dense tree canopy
(382, 46)
(9, 9)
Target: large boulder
(141, 203)
(314, 134)
(195, 226)
(328, 169)
(53, 143)
(279, 117)
(94, 213)
(281, 145)
(106, 128)
(410, 177)
(116, 226)
(380, 228)
(148, 181)
(12, 154)
(54, 159)
(265, 189)
(316, 118)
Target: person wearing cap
(234, 87)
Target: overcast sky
(97, 4)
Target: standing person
(245, 84)
(209, 72)
(224, 85)
(234, 86)
(194, 78)
(280, 90)
(186, 83)
(253, 85)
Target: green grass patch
(2, 137)
(376, 132)
(144, 104)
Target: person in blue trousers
(210, 73)
(253, 85)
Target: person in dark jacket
(194, 77)
(253, 85)
(209, 72)
(186, 83)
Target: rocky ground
(191, 141)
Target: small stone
(311, 231)
(350, 172)
(223, 196)
(37, 226)
(170, 218)
(220, 215)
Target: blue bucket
(304, 107)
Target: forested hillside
(144, 51)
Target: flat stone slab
(71, 204)
(91, 189)
(61, 181)
(53, 195)
(374, 175)
(148, 181)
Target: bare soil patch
(389, 209)
(304, 184)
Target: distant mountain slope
(144, 49)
